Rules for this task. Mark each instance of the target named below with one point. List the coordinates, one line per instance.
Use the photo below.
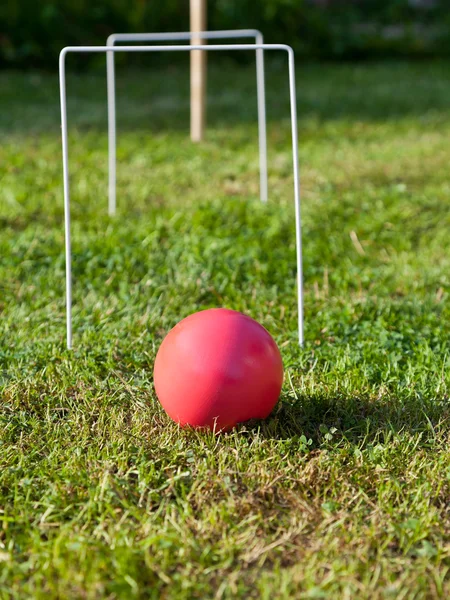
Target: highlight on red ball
(218, 368)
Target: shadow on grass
(359, 420)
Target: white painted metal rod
(170, 48)
(65, 157)
(186, 36)
(298, 216)
(212, 48)
(111, 91)
(262, 129)
(181, 35)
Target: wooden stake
(198, 71)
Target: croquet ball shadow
(217, 368)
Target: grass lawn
(344, 492)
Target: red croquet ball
(217, 368)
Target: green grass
(344, 491)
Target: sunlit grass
(344, 491)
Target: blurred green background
(32, 33)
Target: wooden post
(198, 71)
